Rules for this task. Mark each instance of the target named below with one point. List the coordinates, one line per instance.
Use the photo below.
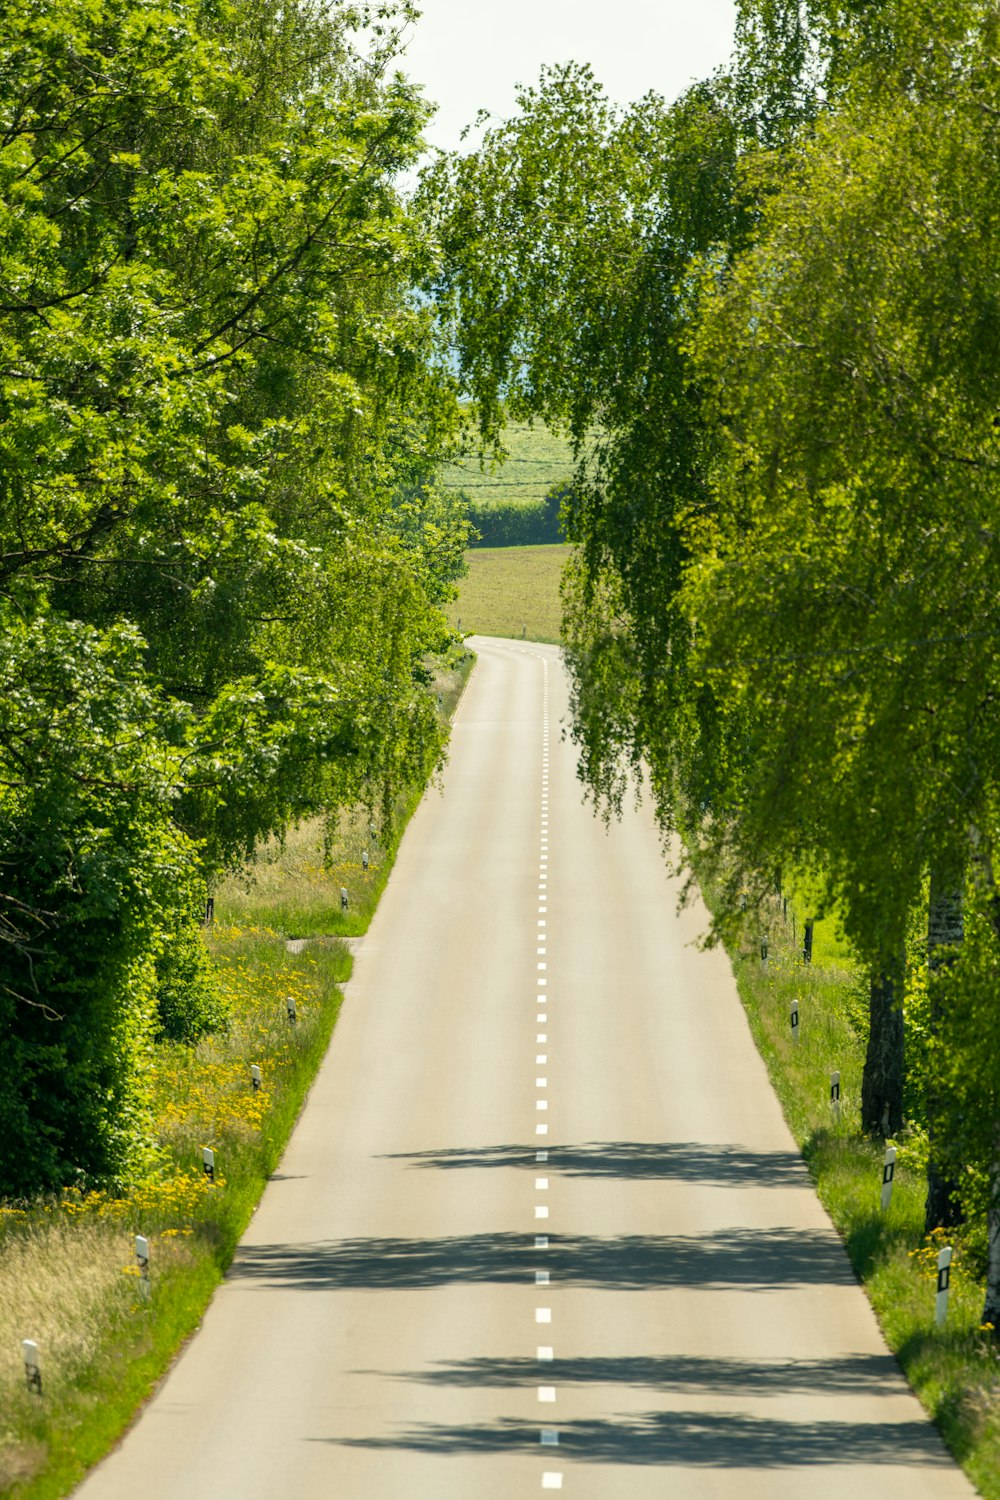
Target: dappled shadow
(749, 1258)
(706, 1440)
(694, 1161)
(859, 1374)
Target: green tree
(216, 387)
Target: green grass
(537, 461)
(67, 1269)
(954, 1371)
(511, 591)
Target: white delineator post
(32, 1365)
(208, 1163)
(835, 1095)
(794, 1018)
(888, 1173)
(255, 1077)
(291, 1009)
(943, 1283)
(142, 1257)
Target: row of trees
(777, 301)
(221, 564)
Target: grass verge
(68, 1274)
(955, 1371)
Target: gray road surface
(541, 1225)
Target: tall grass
(955, 1371)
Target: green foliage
(532, 524)
(96, 873)
(219, 407)
(188, 1001)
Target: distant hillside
(539, 460)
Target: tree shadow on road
(764, 1259)
(705, 1440)
(683, 1161)
(866, 1375)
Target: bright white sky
(469, 54)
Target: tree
(216, 385)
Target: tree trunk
(882, 1080)
(991, 1308)
(945, 931)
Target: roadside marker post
(32, 1366)
(835, 1095)
(208, 1163)
(364, 860)
(763, 950)
(343, 898)
(142, 1257)
(255, 1081)
(807, 942)
(794, 1017)
(888, 1173)
(943, 1283)
(291, 1009)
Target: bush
(188, 1001)
(96, 879)
(511, 524)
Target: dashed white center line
(546, 1393)
(541, 1156)
(541, 1083)
(541, 1130)
(542, 1278)
(541, 1036)
(541, 1242)
(541, 1211)
(543, 1315)
(550, 1437)
(541, 1058)
(541, 1184)
(541, 1104)
(546, 1353)
(552, 1481)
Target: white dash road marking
(541, 1156)
(552, 1481)
(543, 1315)
(541, 1036)
(541, 1184)
(541, 1242)
(541, 1058)
(546, 1393)
(541, 1130)
(541, 1083)
(542, 1278)
(550, 1437)
(541, 1211)
(546, 1353)
(541, 1104)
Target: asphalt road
(541, 1225)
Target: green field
(538, 461)
(511, 591)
